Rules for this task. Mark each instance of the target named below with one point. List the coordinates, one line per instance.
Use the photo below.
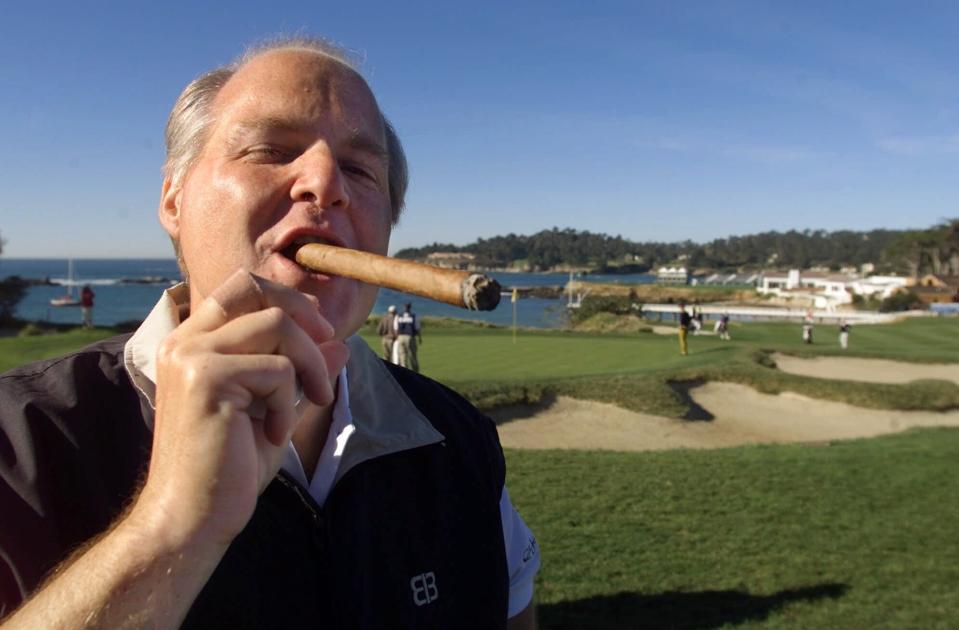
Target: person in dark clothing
(685, 322)
(807, 327)
(244, 460)
(723, 327)
(407, 327)
(86, 305)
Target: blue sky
(652, 120)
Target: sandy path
(870, 370)
(665, 330)
(674, 331)
(742, 416)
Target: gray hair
(189, 122)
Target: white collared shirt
(379, 435)
(341, 428)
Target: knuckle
(275, 316)
(192, 373)
(172, 351)
(166, 348)
(285, 366)
(176, 357)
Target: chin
(346, 310)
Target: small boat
(578, 301)
(69, 299)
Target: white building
(822, 290)
(725, 279)
(880, 286)
(672, 275)
(828, 290)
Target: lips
(296, 239)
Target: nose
(319, 179)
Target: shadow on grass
(705, 609)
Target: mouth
(289, 252)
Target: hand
(241, 349)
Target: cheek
(373, 230)
(231, 208)
(217, 228)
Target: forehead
(303, 86)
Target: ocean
(127, 289)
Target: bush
(865, 303)
(608, 322)
(615, 304)
(31, 330)
(902, 301)
(127, 325)
(12, 290)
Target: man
(685, 321)
(807, 327)
(86, 305)
(407, 327)
(244, 460)
(387, 333)
(724, 327)
(696, 321)
(843, 334)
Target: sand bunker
(665, 330)
(742, 416)
(869, 370)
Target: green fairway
(854, 534)
(916, 339)
(494, 356)
(15, 351)
(633, 370)
(469, 355)
(857, 534)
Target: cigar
(472, 291)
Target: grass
(15, 350)
(633, 370)
(858, 534)
(854, 534)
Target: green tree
(12, 291)
(901, 301)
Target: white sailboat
(69, 299)
(578, 301)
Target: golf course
(757, 482)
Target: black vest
(406, 324)
(407, 540)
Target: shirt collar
(386, 420)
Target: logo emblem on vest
(424, 588)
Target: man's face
(296, 152)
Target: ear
(169, 211)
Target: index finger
(245, 292)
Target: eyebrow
(358, 140)
(270, 123)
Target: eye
(267, 153)
(359, 170)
